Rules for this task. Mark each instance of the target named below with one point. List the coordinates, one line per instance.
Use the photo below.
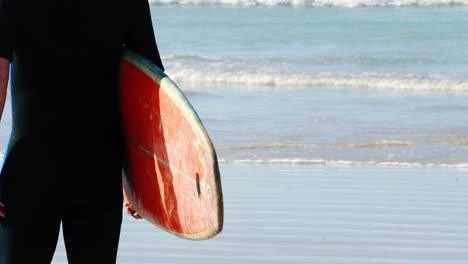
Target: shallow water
(380, 86)
(347, 127)
(413, 49)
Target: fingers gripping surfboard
(171, 177)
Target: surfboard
(171, 177)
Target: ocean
(341, 129)
(355, 83)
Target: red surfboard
(171, 177)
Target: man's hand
(2, 213)
(131, 211)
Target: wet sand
(315, 214)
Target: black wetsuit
(63, 163)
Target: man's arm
(4, 74)
(140, 37)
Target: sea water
(360, 83)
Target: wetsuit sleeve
(6, 36)
(140, 37)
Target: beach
(321, 214)
(341, 129)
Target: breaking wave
(344, 163)
(314, 3)
(463, 142)
(288, 73)
(383, 82)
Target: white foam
(382, 144)
(289, 73)
(313, 3)
(385, 143)
(370, 81)
(345, 163)
(267, 146)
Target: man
(64, 158)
